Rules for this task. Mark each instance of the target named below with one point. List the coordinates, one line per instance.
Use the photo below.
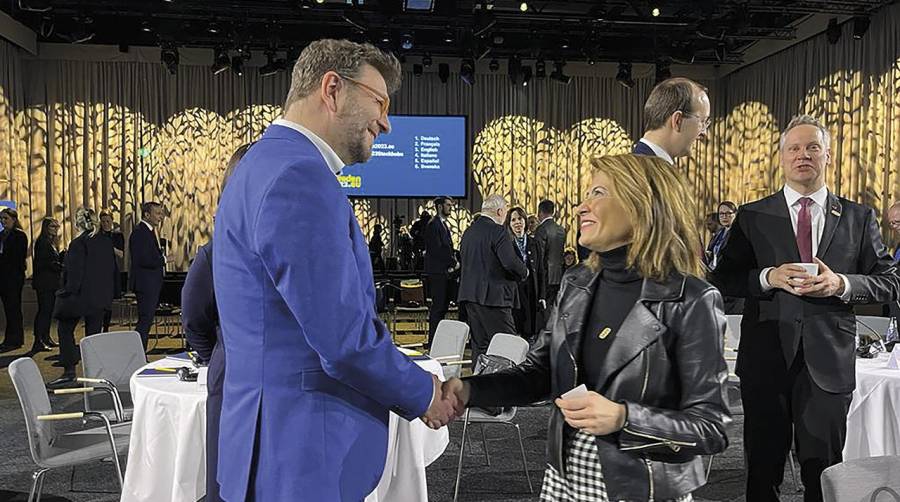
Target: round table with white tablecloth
(167, 455)
(873, 422)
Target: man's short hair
(493, 203)
(669, 96)
(105, 213)
(800, 120)
(341, 56)
(442, 200)
(547, 207)
(148, 206)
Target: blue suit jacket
(147, 261)
(311, 371)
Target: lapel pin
(605, 333)
(835, 212)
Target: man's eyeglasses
(381, 99)
(704, 122)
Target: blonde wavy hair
(86, 220)
(656, 199)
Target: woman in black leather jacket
(48, 264)
(637, 326)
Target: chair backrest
(450, 339)
(114, 356)
(866, 324)
(29, 384)
(858, 480)
(512, 347)
(733, 331)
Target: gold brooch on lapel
(604, 333)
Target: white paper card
(579, 391)
(894, 360)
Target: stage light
(565, 43)
(406, 42)
(444, 72)
(860, 26)
(426, 60)
(212, 28)
(272, 65)
(523, 6)
(221, 62)
(540, 68)
(833, 32)
(467, 71)
(170, 58)
(655, 12)
(449, 37)
(623, 76)
(494, 65)
(558, 74)
(526, 75)
(35, 5)
(237, 65)
(145, 27)
(417, 70)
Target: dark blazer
(490, 267)
(553, 241)
(147, 261)
(775, 321)
(438, 247)
(12, 259)
(533, 288)
(199, 315)
(642, 149)
(90, 272)
(47, 264)
(669, 372)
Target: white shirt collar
(148, 225)
(545, 219)
(658, 150)
(331, 158)
(820, 196)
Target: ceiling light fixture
(523, 6)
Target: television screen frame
(466, 163)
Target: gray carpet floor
(502, 480)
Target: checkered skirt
(583, 481)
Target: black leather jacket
(666, 366)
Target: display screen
(423, 156)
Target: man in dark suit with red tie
(147, 266)
(439, 263)
(676, 115)
(796, 356)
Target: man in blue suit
(148, 265)
(312, 372)
(676, 115)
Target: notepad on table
(158, 371)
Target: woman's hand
(593, 413)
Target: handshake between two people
(590, 412)
(450, 400)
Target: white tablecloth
(167, 455)
(873, 423)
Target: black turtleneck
(617, 290)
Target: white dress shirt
(817, 224)
(658, 150)
(331, 158)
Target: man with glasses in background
(676, 115)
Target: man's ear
(328, 89)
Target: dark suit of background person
(552, 239)
(796, 358)
(641, 148)
(527, 315)
(13, 251)
(45, 281)
(118, 242)
(146, 277)
(488, 286)
(90, 281)
(439, 261)
(200, 320)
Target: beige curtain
(116, 134)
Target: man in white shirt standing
(676, 115)
(796, 360)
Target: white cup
(811, 268)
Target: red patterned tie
(804, 231)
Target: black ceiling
(702, 31)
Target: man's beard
(355, 140)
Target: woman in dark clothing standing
(532, 289)
(13, 251)
(45, 281)
(90, 283)
(639, 328)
